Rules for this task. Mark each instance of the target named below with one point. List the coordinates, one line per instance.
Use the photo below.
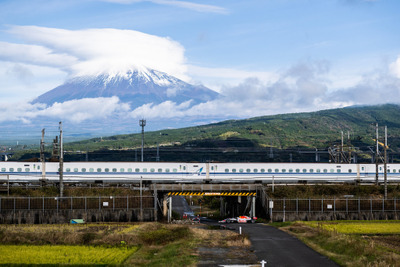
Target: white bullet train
(179, 172)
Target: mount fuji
(133, 91)
(136, 87)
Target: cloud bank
(94, 51)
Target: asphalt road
(278, 248)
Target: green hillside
(289, 137)
(308, 130)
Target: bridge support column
(170, 210)
(222, 210)
(165, 206)
(253, 207)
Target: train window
(75, 169)
(350, 170)
(152, 170)
(11, 169)
(393, 170)
(114, 169)
(283, 170)
(212, 168)
(68, 170)
(226, 170)
(137, 170)
(255, 170)
(311, 170)
(166, 170)
(297, 170)
(318, 170)
(325, 170)
(332, 170)
(269, 170)
(388, 171)
(144, 169)
(362, 168)
(3, 169)
(107, 170)
(91, 170)
(27, 169)
(240, 170)
(129, 169)
(184, 168)
(339, 170)
(122, 170)
(380, 168)
(262, 170)
(175, 170)
(83, 169)
(304, 170)
(19, 169)
(160, 170)
(290, 170)
(248, 170)
(276, 170)
(233, 170)
(98, 169)
(38, 167)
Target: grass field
(140, 244)
(64, 254)
(351, 243)
(360, 228)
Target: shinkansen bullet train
(179, 172)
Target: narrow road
(278, 248)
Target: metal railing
(76, 203)
(343, 205)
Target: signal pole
(61, 161)
(142, 123)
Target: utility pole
(376, 155)
(61, 161)
(43, 159)
(385, 162)
(341, 149)
(142, 123)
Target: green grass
(64, 254)
(351, 243)
(357, 227)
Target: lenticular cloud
(96, 51)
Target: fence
(76, 203)
(346, 205)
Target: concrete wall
(64, 216)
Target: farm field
(140, 244)
(351, 243)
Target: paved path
(279, 248)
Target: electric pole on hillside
(61, 161)
(43, 159)
(385, 162)
(142, 123)
(376, 155)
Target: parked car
(229, 220)
(246, 219)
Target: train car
(171, 172)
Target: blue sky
(264, 56)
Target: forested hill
(320, 129)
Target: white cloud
(75, 111)
(181, 4)
(395, 68)
(94, 51)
